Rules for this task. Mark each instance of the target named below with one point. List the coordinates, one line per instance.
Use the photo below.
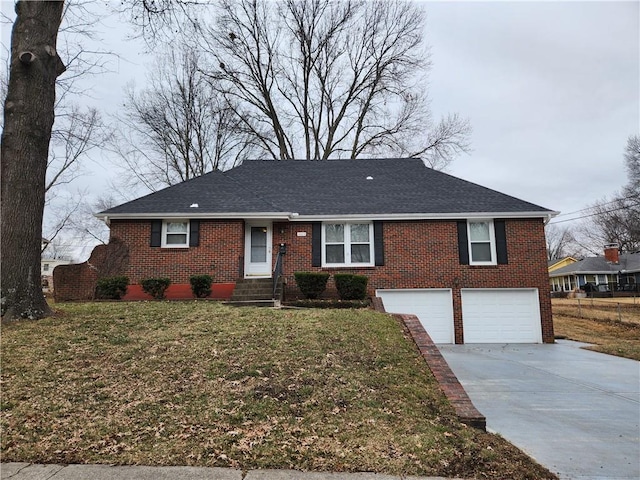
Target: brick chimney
(611, 253)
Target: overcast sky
(552, 90)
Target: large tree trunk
(28, 119)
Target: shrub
(311, 284)
(350, 286)
(155, 286)
(329, 303)
(201, 285)
(112, 287)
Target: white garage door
(433, 307)
(501, 316)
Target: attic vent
(193, 205)
(369, 177)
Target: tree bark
(28, 120)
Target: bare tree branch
(178, 127)
(319, 79)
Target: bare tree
(561, 242)
(58, 250)
(632, 165)
(28, 120)
(319, 79)
(617, 220)
(177, 128)
(78, 130)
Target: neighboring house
(469, 261)
(612, 272)
(47, 264)
(558, 263)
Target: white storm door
(257, 250)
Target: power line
(602, 205)
(625, 207)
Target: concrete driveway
(575, 411)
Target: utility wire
(602, 204)
(625, 207)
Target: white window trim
(347, 245)
(492, 241)
(164, 243)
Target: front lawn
(199, 383)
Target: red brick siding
(418, 254)
(219, 253)
(425, 255)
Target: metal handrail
(277, 273)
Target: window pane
(480, 252)
(258, 237)
(334, 233)
(360, 233)
(258, 254)
(176, 239)
(176, 227)
(479, 231)
(360, 254)
(258, 244)
(335, 254)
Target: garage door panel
(501, 316)
(434, 309)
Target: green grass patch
(199, 383)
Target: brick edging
(466, 412)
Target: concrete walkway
(26, 471)
(575, 411)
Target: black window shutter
(156, 233)
(501, 241)
(463, 243)
(194, 233)
(378, 243)
(316, 244)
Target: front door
(257, 248)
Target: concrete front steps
(256, 292)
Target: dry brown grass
(198, 383)
(609, 309)
(610, 329)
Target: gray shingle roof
(330, 187)
(629, 262)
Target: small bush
(329, 303)
(112, 287)
(155, 286)
(350, 286)
(201, 285)
(311, 284)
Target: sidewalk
(27, 471)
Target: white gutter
(296, 217)
(232, 215)
(425, 216)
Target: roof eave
(106, 217)
(426, 216)
(293, 216)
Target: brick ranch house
(470, 262)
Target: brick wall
(417, 255)
(219, 253)
(78, 281)
(425, 255)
